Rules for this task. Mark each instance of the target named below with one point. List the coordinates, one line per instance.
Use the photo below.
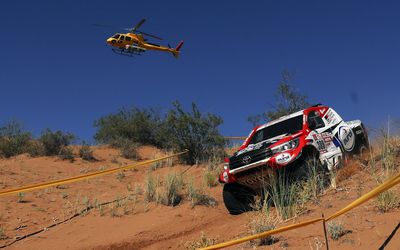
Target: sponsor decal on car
(347, 137)
(246, 159)
(283, 158)
(330, 117)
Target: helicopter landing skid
(131, 52)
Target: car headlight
(286, 146)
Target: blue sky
(57, 72)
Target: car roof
(285, 117)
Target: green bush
(178, 130)
(336, 230)
(198, 197)
(86, 153)
(172, 185)
(13, 139)
(54, 142)
(193, 131)
(288, 100)
(67, 153)
(387, 201)
(128, 149)
(35, 148)
(136, 125)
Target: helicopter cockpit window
(116, 36)
(121, 37)
(127, 38)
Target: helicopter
(134, 42)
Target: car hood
(265, 144)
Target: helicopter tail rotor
(176, 51)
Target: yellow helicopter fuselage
(123, 41)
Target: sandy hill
(131, 222)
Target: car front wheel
(237, 198)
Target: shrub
(386, 201)
(35, 148)
(67, 153)
(287, 98)
(2, 234)
(197, 197)
(120, 176)
(336, 230)
(260, 223)
(129, 151)
(210, 178)
(193, 131)
(149, 188)
(136, 125)
(204, 241)
(54, 142)
(86, 153)
(173, 184)
(21, 196)
(284, 195)
(13, 139)
(178, 130)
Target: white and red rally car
(317, 132)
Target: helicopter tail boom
(176, 51)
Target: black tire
(237, 198)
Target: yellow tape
(381, 188)
(235, 137)
(85, 176)
(264, 234)
(371, 194)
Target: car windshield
(288, 126)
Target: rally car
(317, 133)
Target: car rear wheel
(237, 198)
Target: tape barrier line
(263, 234)
(381, 188)
(85, 176)
(235, 137)
(371, 194)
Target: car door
(322, 134)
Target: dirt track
(152, 226)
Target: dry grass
(21, 196)
(150, 187)
(262, 222)
(197, 196)
(336, 230)
(387, 201)
(210, 178)
(2, 233)
(120, 176)
(387, 167)
(86, 153)
(172, 186)
(284, 196)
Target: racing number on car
(321, 145)
(323, 141)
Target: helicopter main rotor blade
(139, 24)
(103, 25)
(109, 26)
(147, 34)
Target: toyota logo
(246, 159)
